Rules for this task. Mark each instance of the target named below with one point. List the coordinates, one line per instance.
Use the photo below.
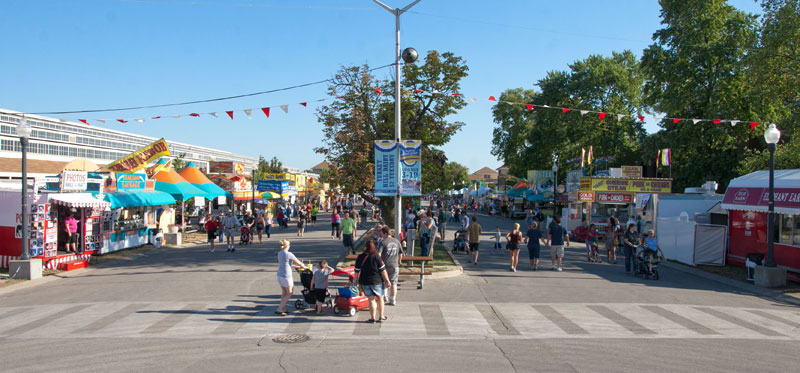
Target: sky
(98, 54)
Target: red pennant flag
(122, 121)
(641, 118)
(564, 110)
(378, 90)
(491, 98)
(339, 97)
(158, 117)
(753, 125)
(601, 115)
(454, 94)
(266, 111)
(716, 121)
(417, 91)
(194, 115)
(529, 106)
(230, 113)
(84, 121)
(305, 104)
(676, 120)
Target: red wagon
(347, 300)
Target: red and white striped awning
(79, 200)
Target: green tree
(179, 162)
(273, 166)
(361, 115)
(697, 69)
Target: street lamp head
(23, 129)
(772, 135)
(555, 167)
(410, 55)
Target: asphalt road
(187, 309)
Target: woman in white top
(286, 262)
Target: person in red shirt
(211, 228)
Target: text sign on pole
(385, 168)
(411, 168)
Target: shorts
(347, 240)
(73, 238)
(231, 232)
(313, 218)
(557, 250)
(442, 227)
(393, 275)
(534, 251)
(473, 246)
(512, 246)
(212, 236)
(373, 290)
(320, 295)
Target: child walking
(498, 247)
(319, 284)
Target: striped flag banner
(666, 157)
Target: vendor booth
(168, 181)
(747, 201)
(685, 234)
(616, 196)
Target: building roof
(321, 166)
(485, 170)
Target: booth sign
(602, 184)
(74, 181)
(586, 196)
(614, 197)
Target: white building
(54, 142)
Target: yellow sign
(632, 172)
(611, 184)
(140, 158)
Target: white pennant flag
(584, 112)
(435, 91)
(140, 120)
(620, 116)
(213, 115)
(473, 99)
(102, 121)
(285, 108)
(658, 119)
(733, 122)
(695, 121)
(546, 105)
(249, 113)
(176, 116)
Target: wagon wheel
(336, 310)
(352, 311)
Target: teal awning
(521, 192)
(138, 198)
(182, 191)
(212, 190)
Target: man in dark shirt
(630, 240)
(390, 252)
(556, 236)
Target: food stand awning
(78, 200)
(191, 174)
(751, 192)
(168, 181)
(139, 198)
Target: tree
(273, 166)
(179, 162)
(361, 115)
(697, 69)
(526, 139)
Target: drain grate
(291, 338)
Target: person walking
(532, 239)
(211, 230)
(231, 225)
(336, 219)
(630, 240)
(280, 217)
(371, 272)
(442, 224)
(268, 223)
(389, 250)
(314, 211)
(474, 238)
(556, 237)
(286, 263)
(349, 233)
(514, 237)
(260, 224)
(301, 222)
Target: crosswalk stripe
(232, 325)
(559, 320)
(680, 320)
(620, 319)
(363, 328)
(111, 318)
(727, 317)
(174, 318)
(71, 311)
(14, 312)
(404, 321)
(496, 320)
(433, 319)
(775, 318)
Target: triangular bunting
(529, 106)
(140, 120)
(84, 121)
(305, 104)
(213, 115)
(491, 98)
(716, 121)
(753, 125)
(285, 108)
(378, 90)
(230, 113)
(176, 116)
(194, 115)
(584, 112)
(619, 117)
(564, 110)
(122, 121)
(676, 120)
(641, 118)
(473, 99)
(417, 91)
(158, 117)
(249, 113)
(266, 111)
(601, 115)
(101, 120)
(734, 122)
(455, 94)
(695, 121)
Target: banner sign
(574, 180)
(542, 180)
(601, 184)
(140, 158)
(632, 172)
(411, 168)
(74, 181)
(131, 181)
(606, 197)
(385, 168)
(277, 186)
(226, 167)
(586, 196)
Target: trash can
(751, 262)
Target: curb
(763, 292)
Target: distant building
(502, 173)
(485, 175)
(319, 167)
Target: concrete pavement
(190, 310)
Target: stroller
(349, 298)
(309, 300)
(244, 239)
(460, 242)
(643, 265)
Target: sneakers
(558, 269)
(513, 269)
(554, 267)
(212, 250)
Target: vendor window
(789, 229)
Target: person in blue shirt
(651, 248)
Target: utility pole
(398, 204)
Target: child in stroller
(648, 256)
(244, 239)
(459, 242)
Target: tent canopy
(168, 181)
(193, 175)
(751, 192)
(79, 200)
(139, 198)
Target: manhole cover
(291, 338)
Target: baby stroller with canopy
(645, 266)
(460, 242)
(244, 239)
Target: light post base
(27, 269)
(770, 277)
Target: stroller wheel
(352, 311)
(336, 310)
(655, 274)
(299, 305)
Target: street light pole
(398, 204)
(772, 136)
(555, 182)
(24, 131)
